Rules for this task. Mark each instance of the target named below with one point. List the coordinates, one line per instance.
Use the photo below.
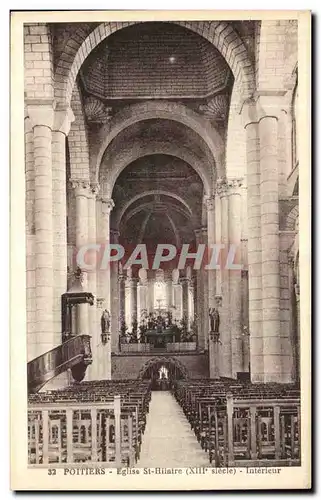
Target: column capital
(81, 187)
(210, 202)
(229, 186)
(41, 112)
(62, 120)
(221, 187)
(204, 231)
(263, 104)
(94, 189)
(107, 204)
(132, 281)
(184, 280)
(115, 235)
(234, 185)
(100, 302)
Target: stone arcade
(162, 133)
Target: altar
(160, 337)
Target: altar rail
(169, 347)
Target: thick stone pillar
(93, 323)
(30, 242)
(245, 321)
(287, 347)
(235, 276)
(82, 192)
(254, 244)
(272, 349)
(224, 310)
(41, 120)
(62, 123)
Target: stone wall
(126, 366)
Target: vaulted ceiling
(155, 60)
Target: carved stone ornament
(100, 302)
(216, 109)
(96, 111)
(218, 300)
(215, 337)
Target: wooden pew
(243, 424)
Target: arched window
(295, 126)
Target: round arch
(148, 205)
(166, 361)
(148, 193)
(180, 113)
(133, 153)
(219, 33)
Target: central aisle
(169, 440)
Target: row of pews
(100, 422)
(241, 424)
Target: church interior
(179, 134)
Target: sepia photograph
(162, 329)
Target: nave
(168, 440)
(199, 422)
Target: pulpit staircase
(75, 354)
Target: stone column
(114, 299)
(93, 323)
(191, 301)
(177, 297)
(199, 296)
(107, 205)
(287, 348)
(254, 244)
(272, 350)
(211, 241)
(224, 310)
(30, 242)
(132, 283)
(150, 286)
(214, 353)
(235, 277)
(82, 192)
(41, 116)
(142, 293)
(121, 283)
(104, 349)
(245, 321)
(184, 282)
(169, 290)
(62, 123)
(205, 303)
